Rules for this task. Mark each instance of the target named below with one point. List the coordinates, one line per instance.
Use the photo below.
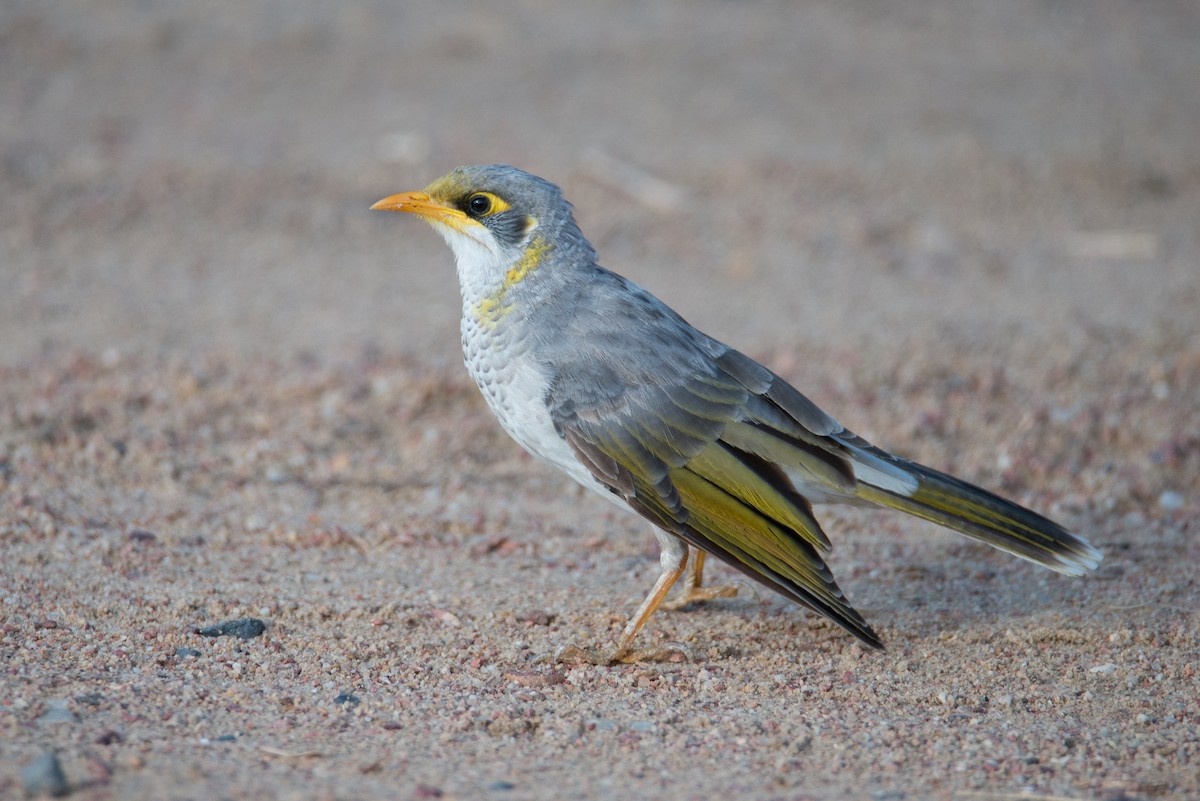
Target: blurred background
(187, 176)
(969, 228)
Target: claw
(574, 655)
(667, 652)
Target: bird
(597, 377)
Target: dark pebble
(347, 698)
(141, 535)
(110, 737)
(225, 738)
(501, 786)
(44, 776)
(246, 628)
(90, 699)
(186, 652)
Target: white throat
(479, 260)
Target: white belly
(514, 386)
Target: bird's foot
(667, 652)
(700, 594)
(574, 655)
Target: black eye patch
(511, 228)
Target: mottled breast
(514, 385)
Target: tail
(981, 515)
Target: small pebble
(246, 628)
(44, 776)
(58, 711)
(534, 678)
(1170, 500)
(1105, 668)
(347, 698)
(537, 617)
(184, 653)
(601, 725)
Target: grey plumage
(598, 377)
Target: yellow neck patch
(528, 262)
(494, 308)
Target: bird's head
(499, 221)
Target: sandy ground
(968, 229)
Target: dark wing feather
(659, 441)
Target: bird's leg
(673, 560)
(692, 585)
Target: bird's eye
(479, 205)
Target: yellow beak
(423, 205)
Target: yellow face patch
(445, 188)
(450, 190)
(485, 204)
